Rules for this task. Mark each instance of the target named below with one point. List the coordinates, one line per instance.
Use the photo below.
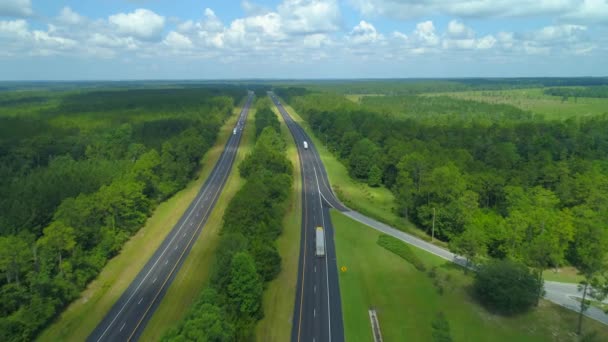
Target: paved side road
(560, 293)
(127, 319)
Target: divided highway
(563, 294)
(127, 319)
(318, 309)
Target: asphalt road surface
(318, 310)
(127, 319)
(563, 294)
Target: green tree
(245, 288)
(375, 176)
(470, 244)
(543, 232)
(15, 255)
(362, 158)
(57, 240)
(507, 287)
(590, 249)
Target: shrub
(507, 287)
(401, 249)
(441, 329)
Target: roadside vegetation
(247, 256)
(80, 178)
(491, 180)
(438, 304)
(79, 319)
(278, 301)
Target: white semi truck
(320, 242)
(305, 145)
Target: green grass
(534, 100)
(374, 202)
(79, 319)
(408, 300)
(564, 274)
(194, 273)
(280, 294)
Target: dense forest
(501, 185)
(80, 174)
(247, 256)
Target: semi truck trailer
(320, 242)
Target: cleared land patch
(534, 100)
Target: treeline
(597, 92)
(531, 190)
(247, 256)
(420, 86)
(76, 190)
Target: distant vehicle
(320, 240)
(234, 131)
(305, 145)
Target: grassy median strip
(408, 301)
(83, 315)
(377, 203)
(194, 273)
(280, 294)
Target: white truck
(234, 131)
(320, 242)
(305, 145)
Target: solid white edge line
(326, 256)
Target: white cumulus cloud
(68, 16)
(178, 41)
(425, 33)
(457, 29)
(364, 33)
(142, 24)
(310, 16)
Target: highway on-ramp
(318, 309)
(127, 319)
(563, 294)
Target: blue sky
(214, 39)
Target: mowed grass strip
(377, 203)
(82, 316)
(408, 300)
(280, 294)
(193, 276)
(566, 274)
